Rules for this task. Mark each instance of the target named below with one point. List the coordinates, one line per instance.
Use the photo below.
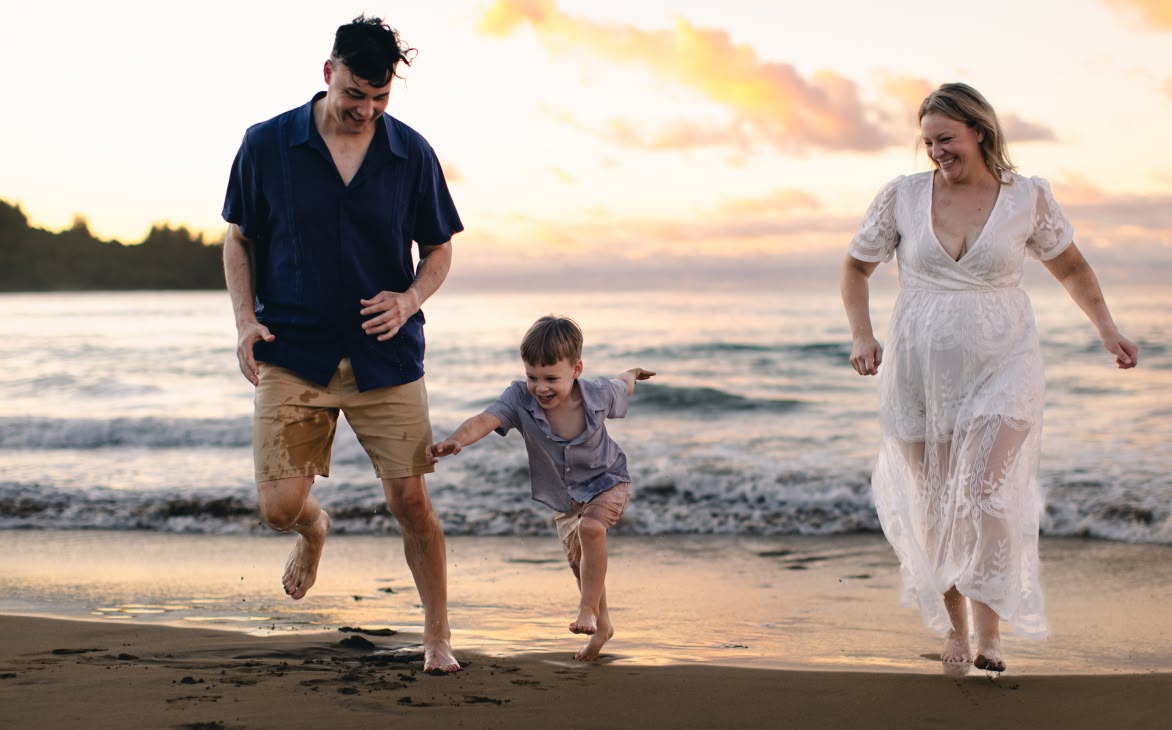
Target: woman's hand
(1125, 351)
(866, 355)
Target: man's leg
(426, 552)
(287, 504)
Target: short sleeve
(436, 219)
(506, 409)
(617, 390)
(1052, 233)
(878, 234)
(242, 203)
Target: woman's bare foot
(438, 657)
(989, 657)
(593, 647)
(587, 621)
(301, 568)
(956, 649)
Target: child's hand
(641, 374)
(447, 447)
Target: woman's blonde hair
(963, 103)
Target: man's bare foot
(587, 621)
(956, 649)
(438, 657)
(593, 647)
(301, 568)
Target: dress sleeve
(1052, 232)
(878, 234)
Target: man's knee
(408, 500)
(282, 501)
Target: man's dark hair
(371, 49)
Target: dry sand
(61, 674)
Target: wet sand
(192, 631)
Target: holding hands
(447, 447)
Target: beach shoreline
(140, 629)
(792, 603)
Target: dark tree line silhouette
(33, 259)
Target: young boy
(574, 466)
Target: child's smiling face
(552, 385)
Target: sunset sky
(655, 135)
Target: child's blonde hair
(551, 339)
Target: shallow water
(779, 602)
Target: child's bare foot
(587, 621)
(956, 649)
(301, 568)
(438, 657)
(593, 647)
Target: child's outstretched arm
(632, 375)
(468, 433)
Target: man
(323, 204)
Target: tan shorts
(294, 423)
(607, 508)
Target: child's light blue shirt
(561, 470)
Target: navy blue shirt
(321, 245)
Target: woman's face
(954, 147)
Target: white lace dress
(961, 396)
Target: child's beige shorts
(606, 507)
(295, 419)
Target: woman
(961, 395)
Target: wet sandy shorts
(607, 508)
(295, 420)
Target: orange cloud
(770, 101)
(774, 204)
(1115, 220)
(1020, 130)
(1155, 14)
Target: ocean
(127, 411)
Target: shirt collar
(302, 129)
(591, 401)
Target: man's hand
(248, 335)
(388, 310)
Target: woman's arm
(1076, 276)
(866, 352)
